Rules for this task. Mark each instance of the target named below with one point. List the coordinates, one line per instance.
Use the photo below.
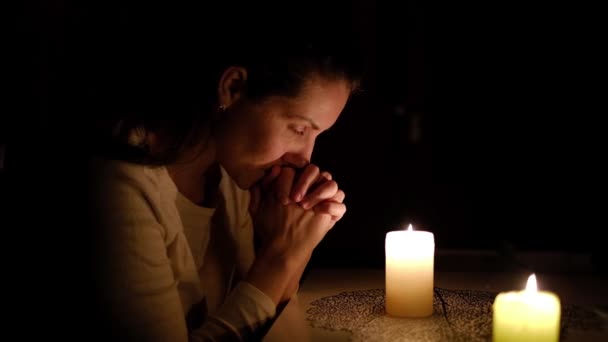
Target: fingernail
(298, 197)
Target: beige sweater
(168, 261)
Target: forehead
(320, 100)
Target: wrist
(272, 273)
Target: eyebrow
(305, 118)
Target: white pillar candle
(528, 315)
(409, 273)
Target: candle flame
(531, 285)
(410, 228)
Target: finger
(283, 185)
(305, 180)
(338, 197)
(323, 192)
(336, 210)
(322, 178)
(326, 175)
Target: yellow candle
(409, 273)
(528, 315)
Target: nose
(301, 157)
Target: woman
(203, 159)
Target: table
(586, 291)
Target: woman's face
(279, 130)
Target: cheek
(255, 141)
(267, 148)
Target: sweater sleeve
(246, 315)
(139, 286)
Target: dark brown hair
(160, 69)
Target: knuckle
(333, 185)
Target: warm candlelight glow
(409, 273)
(528, 315)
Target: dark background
(481, 124)
(477, 121)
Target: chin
(246, 181)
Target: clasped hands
(292, 210)
(309, 187)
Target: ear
(232, 85)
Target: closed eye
(299, 130)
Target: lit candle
(528, 315)
(409, 273)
